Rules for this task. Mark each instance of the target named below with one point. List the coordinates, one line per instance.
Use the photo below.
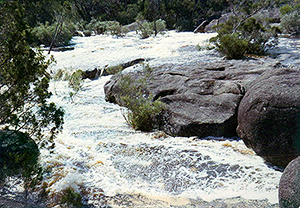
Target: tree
(153, 12)
(24, 80)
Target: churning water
(99, 153)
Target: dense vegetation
(54, 23)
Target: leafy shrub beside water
(232, 46)
(236, 38)
(143, 112)
(70, 198)
(74, 79)
(114, 69)
(44, 34)
(146, 29)
(291, 23)
(110, 27)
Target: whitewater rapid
(100, 153)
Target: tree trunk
(155, 28)
(59, 24)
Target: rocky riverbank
(202, 99)
(140, 201)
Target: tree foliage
(24, 80)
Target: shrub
(114, 28)
(232, 46)
(19, 157)
(74, 79)
(69, 198)
(291, 23)
(44, 34)
(161, 26)
(143, 113)
(110, 27)
(237, 38)
(97, 26)
(18, 152)
(145, 30)
(87, 33)
(286, 9)
(114, 69)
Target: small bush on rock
(161, 26)
(143, 111)
(114, 69)
(18, 152)
(110, 27)
(115, 29)
(87, 33)
(146, 29)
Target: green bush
(291, 23)
(237, 38)
(19, 157)
(109, 27)
(161, 26)
(44, 34)
(286, 9)
(145, 30)
(143, 113)
(97, 26)
(74, 79)
(114, 69)
(69, 198)
(114, 28)
(87, 33)
(232, 46)
(18, 153)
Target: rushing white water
(98, 152)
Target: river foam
(98, 152)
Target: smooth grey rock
(289, 185)
(268, 116)
(201, 98)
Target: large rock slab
(289, 185)
(268, 116)
(201, 98)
